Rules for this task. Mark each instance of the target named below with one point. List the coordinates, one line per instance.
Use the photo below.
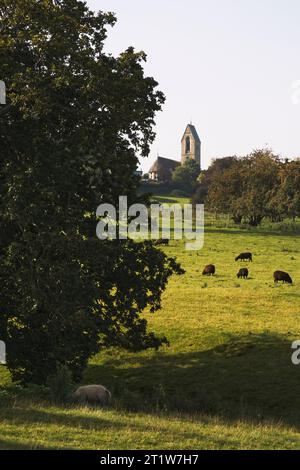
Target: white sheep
(92, 394)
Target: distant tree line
(251, 188)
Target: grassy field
(225, 382)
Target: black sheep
(282, 276)
(244, 257)
(243, 273)
(209, 270)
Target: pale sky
(229, 66)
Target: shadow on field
(81, 427)
(12, 444)
(249, 377)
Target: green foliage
(208, 176)
(285, 200)
(185, 176)
(60, 384)
(77, 120)
(252, 188)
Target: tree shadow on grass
(13, 444)
(249, 377)
(88, 429)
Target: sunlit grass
(225, 381)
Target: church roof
(165, 163)
(193, 132)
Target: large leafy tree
(76, 120)
(285, 199)
(185, 176)
(207, 177)
(258, 178)
(226, 189)
(243, 187)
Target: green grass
(170, 200)
(225, 382)
(27, 426)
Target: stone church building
(162, 169)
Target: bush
(60, 384)
(185, 176)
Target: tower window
(187, 145)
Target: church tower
(191, 145)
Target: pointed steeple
(191, 145)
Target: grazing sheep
(92, 394)
(162, 241)
(244, 257)
(209, 270)
(282, 276)
(243, 273)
